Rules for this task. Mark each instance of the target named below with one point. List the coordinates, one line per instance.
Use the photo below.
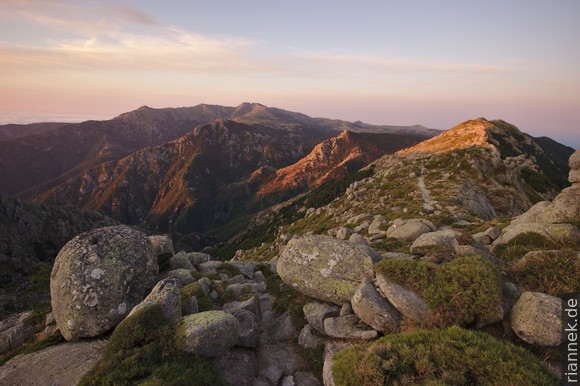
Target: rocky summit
(320, 257)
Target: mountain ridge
(34, 163)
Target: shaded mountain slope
(41, 158)
(173, 185)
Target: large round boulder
(98, 277)
(208, 334)
(409, 230)
(326, 268)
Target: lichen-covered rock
(316, 312)
(343, 233)
(537, 319)
(180, 261)
(249, 328)
(407, 302)
(197, 258)
(574, 162)
(237, 367)
(373, 309)
(162, 247)
(98, 277)
(167, 294)
(63, 364)
(409, 230)
(443, 238)
(208, 334)
(326, 268)
(309, 338)
(564, 208)
(183, 275)
(357, 239)
(563, 234)
(348, 327)
(15, 330)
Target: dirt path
(427, 202)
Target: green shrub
(141, 351)
(457, 292)
(553, 272)
(439, 357)
(522, 244)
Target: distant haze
(383, 62)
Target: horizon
(433, 64)
(23, 118)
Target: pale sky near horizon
(435, 63)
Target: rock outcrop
(98, 277)
(326, 268)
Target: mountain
(221, 170)
(12, 131)
(334, 158)
(171, 185)
(476, 171)
(42, 156)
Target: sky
(434, 63)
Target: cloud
(84, 18)
(101, 36)
(177, 51)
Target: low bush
(522, 244)
(453, 356)
(458, 292)
(552, 272)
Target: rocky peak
(333, 158)
(467, 134)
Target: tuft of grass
(453, 356)
(203, 301)
(522, 244)
(141, 351)
(287, 299)
(229, 269)
(390, 244)
(552, 272)
(458, 292)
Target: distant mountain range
(188, 169)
